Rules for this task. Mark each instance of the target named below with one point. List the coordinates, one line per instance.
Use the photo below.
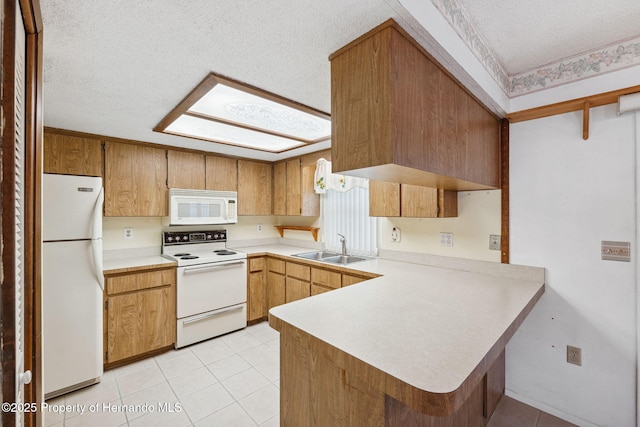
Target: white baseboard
(549, 410)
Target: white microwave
(201, 207)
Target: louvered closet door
(19, 152)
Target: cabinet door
(221, 173)
(326, 278)
(135, 180)
(348, 279)
(310, 200)
(140, 322)
(186, 170)
(315, 289)
(254, 188)
(419, 202)
(280, 188)
(257, 296)
(384, 199)
(294, 195)
(275, 290)
(447, 203)
(72, 155)
(297, 289)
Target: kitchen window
(345, 210)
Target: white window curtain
(345, 210)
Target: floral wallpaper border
(611, 58)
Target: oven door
(206, 287)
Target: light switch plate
(615, 251)
(494, 242)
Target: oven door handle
(211, 267)
(209, 315)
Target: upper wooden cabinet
(293, 192)
(72, 155)
(254, 188)
(393, 200)
(398, 116)
(186, 170)
(135, 181)
(222, 173)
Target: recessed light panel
(228, 112)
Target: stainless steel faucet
(343, 241)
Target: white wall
(478, 217)
(567, 195)
(147, 231)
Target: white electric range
(211, 287)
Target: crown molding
(614, 57)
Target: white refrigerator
(72, 282)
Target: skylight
(228, 112)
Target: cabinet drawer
(256, 264)
(276, 265)
(330, 279)
(299, 271)
(297, 289)
(315, 289)
(140, 281)
(348, 279)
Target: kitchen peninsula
(422, 345)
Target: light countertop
(430, 326)
(427, 326)
(123, 265)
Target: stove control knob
(169, 238)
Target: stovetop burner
(189, 248)
(224, 252)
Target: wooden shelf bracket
(585, 120)
(312, 230)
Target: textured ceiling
(118, 67)
(525, 34)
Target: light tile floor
(229, 381)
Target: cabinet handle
(209, 315)
(212, 267)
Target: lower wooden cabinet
(273, 281)
(297, 289)
(276, 286)
(257, 289)
(139, 313)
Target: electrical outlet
(395, 235)
(446, 239)
(259, 228)
(494, 242)
(574, 355)
(128, 233)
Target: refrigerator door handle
(96, 239)
(96, 220)
(96, 249)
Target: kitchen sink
(344, 259)
(320, 255)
